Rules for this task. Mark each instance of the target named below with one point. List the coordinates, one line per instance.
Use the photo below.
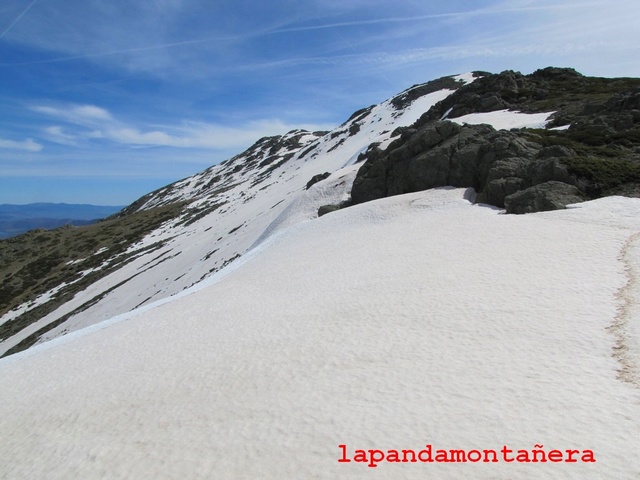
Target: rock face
(550, 195)
(495, 163)
(520, 170)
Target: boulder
(371, 180)
(324, 209)
(317, 178)
(543, 197)
(497, 190)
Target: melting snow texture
(413, 320)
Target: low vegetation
(67, 260)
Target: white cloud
(27, 145)
(435, 16)
(57, 134)
(91, 111)
(174, 39)
(90, 122)
(79, 114)
(204, 135)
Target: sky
(102, 102)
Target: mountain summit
(524, 143)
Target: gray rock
(492, 102)
(371, 180)
(446, 154)
(556, 151)
(317, 178)
(497, 190)
(512, 169)
(543, 197)
(549, 169)
(508, 167)
(324, 209)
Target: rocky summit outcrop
(597, 153)
(497, 164)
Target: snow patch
(505, 119)
(466, 77)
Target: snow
(187, 254)
(27, 306)
(412, 320)
(465, 77)
(505, 119)
(422, 105)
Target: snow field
(411, 320)
(196, 251)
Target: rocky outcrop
(403, 99)
(546, 196)
(316, 178)
(500, 165)
(596, 154)
(495, 163)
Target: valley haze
(17, 219)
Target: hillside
(420, 321)
(524, 143)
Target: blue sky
(103, 101)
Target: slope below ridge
(398, 329)
(223, 211)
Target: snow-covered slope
(412, 321)
(180, 235)
(227, 209)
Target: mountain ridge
(178, 235)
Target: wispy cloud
(87, 123)
(435, 16)
(27, 145)
(215, 39)
(79, 114)
(57, 134)
(124, 51)
(203, 135)
(17, 19)
(451, 52)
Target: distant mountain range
(17, 219)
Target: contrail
(18, 18)
(291, 30)
(129, 50)
(115, 52)
(469, 13)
